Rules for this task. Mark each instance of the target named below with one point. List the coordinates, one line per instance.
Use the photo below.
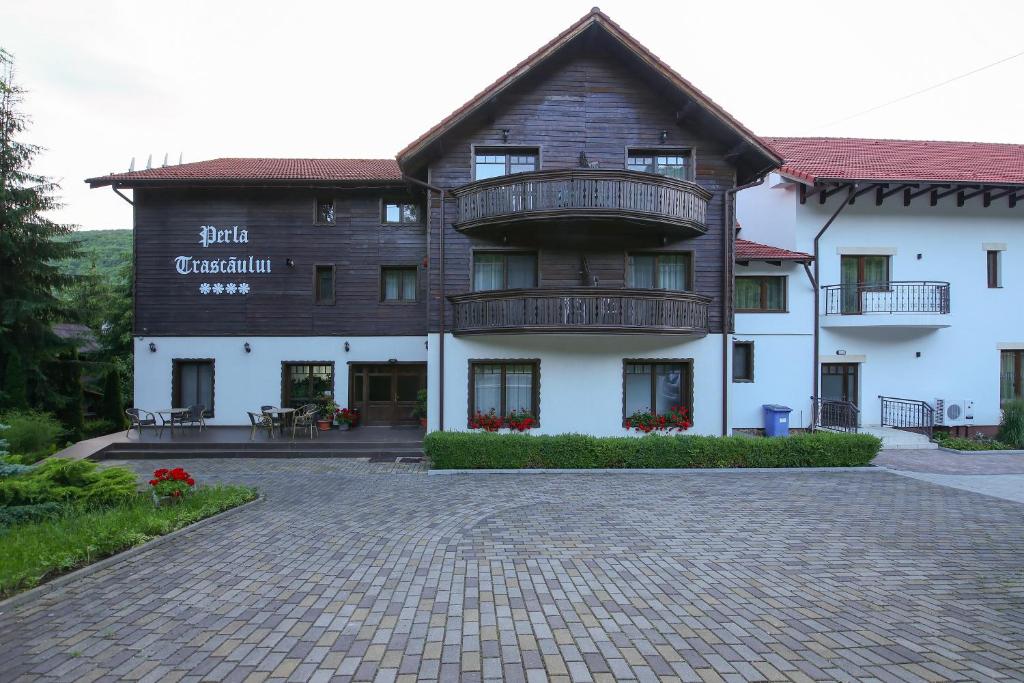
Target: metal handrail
(909, 414)
(906, 296)
(836, 415)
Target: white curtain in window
(672, 272)
(408, 284)
(487, 272)
(519, 388)
(392, 284)
(641, 271)
(487, 388)
(638, 389)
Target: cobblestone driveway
(353, 571)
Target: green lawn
(33, 552)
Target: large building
(564, 245)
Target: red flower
(190, 481)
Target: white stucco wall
(941, 243)
(782, 352)
(245, 381)
(580, 377)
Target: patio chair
(274, 418)
(305, 418)
(194, 416)
(260, 421)
(138, 419)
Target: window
(504, 387)
(995, 279)
(655, 386)
(398, 213)
(398, 283)
(743, 361)
(659, 271)
(499, 161)
(671, 163)
(192, 384)
(870, 273)
(305, 382)
(1011, 375)
(323, 285)
(324, 212)
(757, 294)
(504, 270)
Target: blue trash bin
(776, 420)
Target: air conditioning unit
(954, 412)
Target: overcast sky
(109, 81)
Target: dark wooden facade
(280, 226)
(587, 103)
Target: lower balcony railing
(580, 310)
(887, 297)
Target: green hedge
(474, 450)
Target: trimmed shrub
(94, 428)
(1011, 428)
(465, 450)
(30, 432)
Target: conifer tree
(30, 279)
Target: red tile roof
(820, 159)
(599, 18)
(255, 170)
(754, 251)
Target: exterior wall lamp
(248, 349)
(504, 134)
(664, 136)
(347, 347)
(290, 263)
(152, 347)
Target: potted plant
(420, 411)
(345, 418)
(675, 420)
(327, 408)
(489, 421)
(521, 420)
(170, 486)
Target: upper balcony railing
(584, 194)
(887, 297)
(580, 309)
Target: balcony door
(385, 393)
(860, 274)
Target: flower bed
(467, 450)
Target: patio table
(171, 413)
(286, 415)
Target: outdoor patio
(226, 440)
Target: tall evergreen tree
(29, 279)
(113, 407)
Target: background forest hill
(105, 250)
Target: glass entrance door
(839, 382)
(385, 393)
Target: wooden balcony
(574, 310)
(616, 197)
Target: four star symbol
(220, 288)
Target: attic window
(674, 163)
(492, 162)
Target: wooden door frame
(353, 402)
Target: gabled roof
(233, 171)
(828, 159)
(754, 251)
(593, 19)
